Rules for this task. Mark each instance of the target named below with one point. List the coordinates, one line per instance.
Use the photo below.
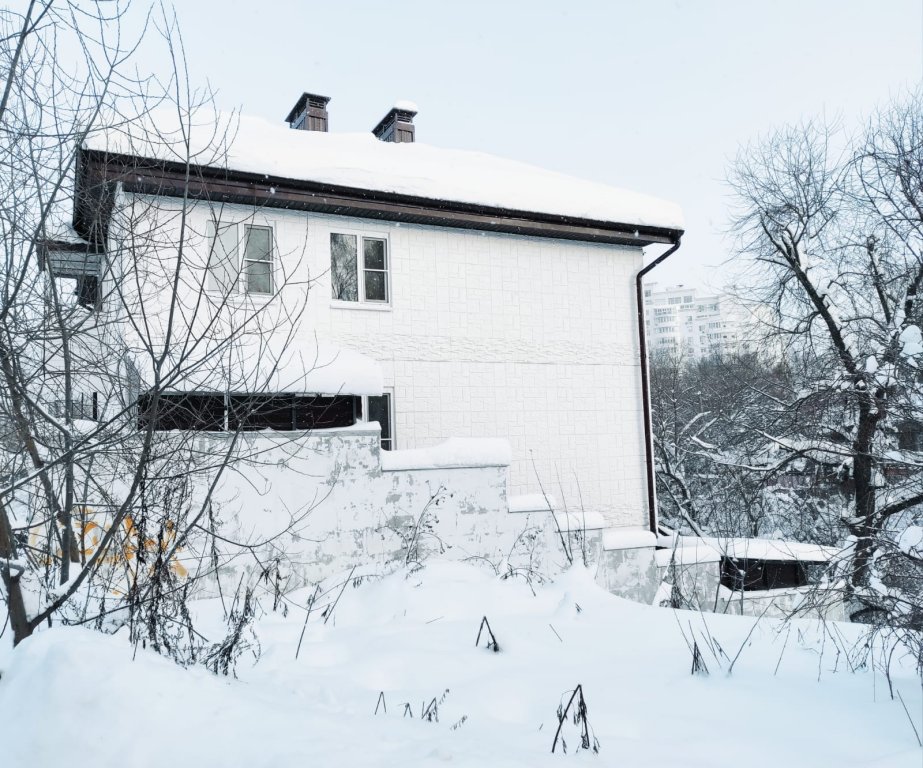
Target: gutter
(646, 385)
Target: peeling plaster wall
(327, 505)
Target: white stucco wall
(490, 335)
(321, 503)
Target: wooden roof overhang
(97, 172)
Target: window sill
(367, 305)
(239, 298)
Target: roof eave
(171, 179)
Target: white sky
(654, 96)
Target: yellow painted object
(92, 525)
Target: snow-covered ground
(72, 696)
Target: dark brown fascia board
(150, 177)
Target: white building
(686, 321)
(497, 299)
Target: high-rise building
(687, 321)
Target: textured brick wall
(488, 335)
(528, 339)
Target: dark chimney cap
(309, 113)
(397, 126)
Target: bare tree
(833, 230)
(119, 310)
(721, 471)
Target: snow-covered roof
(360, 161)
(58, 226)
(628, 538)
(693, 549)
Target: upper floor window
(359, 268)
(258, 258)
(224, 263)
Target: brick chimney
(397, 125)
(309, 113)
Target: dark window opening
(378, 408)
(206, 412)
(289, 412)
(380, 411)
(325, 412)
(910, 437)
(88, 293)
(750, 575)
(376, 269)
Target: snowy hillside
(75, 696)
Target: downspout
(646, 386)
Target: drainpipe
(646, 387)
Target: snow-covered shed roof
(360, 161)
(693, 549)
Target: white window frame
(244, 261)
(389, 391)
(239, 287)
(362, 302)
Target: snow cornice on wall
(357, 175)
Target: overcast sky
(654, 96)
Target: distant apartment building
(686, 320)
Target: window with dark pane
(258, 259)
(182, 411)
(290, 412)
(344, 275)
(315, 412)
(375, 262)
(380, 411)
(247, 412)
(251, 412)
(748, 574)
